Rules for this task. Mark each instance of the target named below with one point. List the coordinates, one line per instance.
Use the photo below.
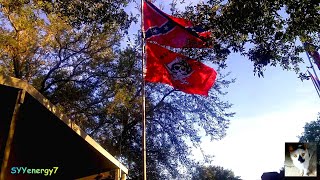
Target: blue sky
(277, 90)
(269, 112)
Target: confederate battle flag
(171, 31)
(181, 72)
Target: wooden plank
(117, 175)
(104, 175)
(123, 176)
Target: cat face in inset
(300, 157)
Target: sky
(269, 112)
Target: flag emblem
(180, 70)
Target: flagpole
(315, 85)
(314, 71)
(311, 65)
(144, 151)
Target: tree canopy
(266, 32)
(311, 134)
(70, 51)
(214, 173)
(78, 64)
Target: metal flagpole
(144, 151)
(315, 84)
(311, 65)
(314, 71)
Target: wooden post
(123, 176)
(7, 150)
(117, 174)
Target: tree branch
(133, 123)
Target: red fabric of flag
(171, 31)
(181, 72)
(189, 26)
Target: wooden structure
(36, 137)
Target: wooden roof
(45, 138)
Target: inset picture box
(300, 160)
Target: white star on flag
(155, 31)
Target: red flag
(181, 72)
(171, 31)
(189, 26)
